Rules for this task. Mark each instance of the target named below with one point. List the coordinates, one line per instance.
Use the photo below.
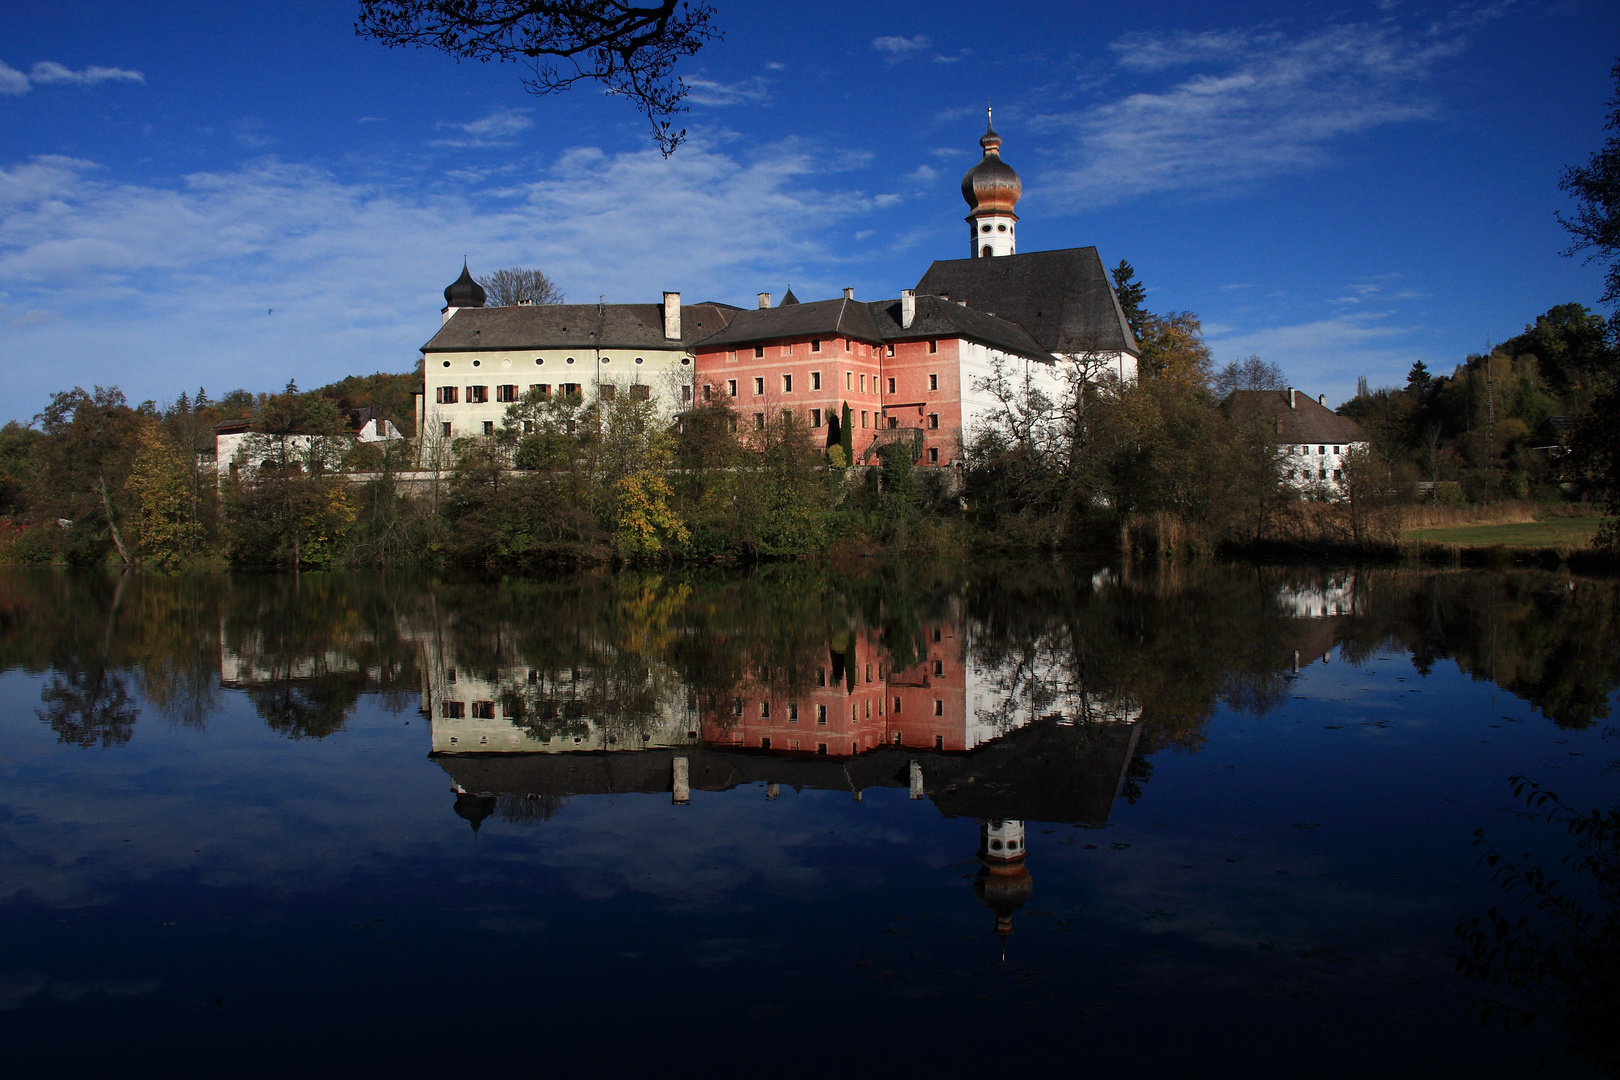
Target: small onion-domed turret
(464, 291)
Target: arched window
(986, 252)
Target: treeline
(1153, 466)
(1520, 421)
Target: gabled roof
(876, 323)
(1307, 422)
(1061, 298)
(574, 326)
(834, 318)
(937, 317)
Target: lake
(801, 820)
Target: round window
(639, 360)
(447, 363)
(476, 363)
(538, 361)
(607, 359)
(686, 360)
(984, 228)
(1001, 228)
(570, 360)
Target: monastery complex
(907, 369)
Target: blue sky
(238, 195)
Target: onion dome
(991, 186)
(464, 291)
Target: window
(1321, 474)
(863, 418)
(787, 384)
(849, 380)
(607, 392)
(891, 386)
(708, 391)
(939, 708)
(639, 360)
(787, 417)
(897, 738)
(891, 350)
(894, 421)
(448, 395)
(765, 743)
(937, 633)
(933, 455)
(986, 252)
(539, 388)
(759, 385)
(483, 710)
(759, 350)
(863, 384)
(759, 421)
(933, 382)
(933, 346)
(821, 748)
(731, 387)
(821, 714)
(939, 742)
(454, 710)
(506, 393)
(643, 392)
(477, 395)
(897, 706)
(1335, 449)
(1319, 449)
(984, 228)
(686, 392)
(933, 420)
(939, 667)
(444, 429)
(764, 710)
(821, 676)
(1338, 474)
(815, 346)
(736, 706)
(815, 380)
(815, 417)
(731, 424)
(528, 427)
(570, 389)
(868, 672)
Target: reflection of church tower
(473, 808)
(991, 189)
(1003, 884)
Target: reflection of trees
(1563, 958)
(306, 708)
(89, 705)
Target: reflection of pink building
(855, 704)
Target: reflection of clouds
(15, 990)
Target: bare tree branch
(630, 49)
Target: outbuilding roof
(1061, 298)
(937, 317)
(575, 326)
(842, 317)
(1307, 421)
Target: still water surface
(1218, 819)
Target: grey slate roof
(1307, 422)
(1063, 299)
(574, 326)
(876, 323)
(840, 317)
(937, 317)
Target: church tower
(1004, 883)
(991, 189)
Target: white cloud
(495, 129)
(164, 287)
(48, 72)
(899, 48)
(12, 81)
(709, 92)
(1245, 105)
(1324, 356)
(922, 174)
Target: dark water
(1218, 820)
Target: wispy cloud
(747, 92)
(1242, 105)
(899, 48)
(354, 270)
(494, 129)
(1326, 355)
(50, 73)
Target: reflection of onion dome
(464, 291)
(1003, 887)
(991, 186)
(474, 808)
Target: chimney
(849, 294)
(1321, 399)
(672, 316)
(908, 308)
(764, 300)
(1291, 393)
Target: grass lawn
(1560, 532)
